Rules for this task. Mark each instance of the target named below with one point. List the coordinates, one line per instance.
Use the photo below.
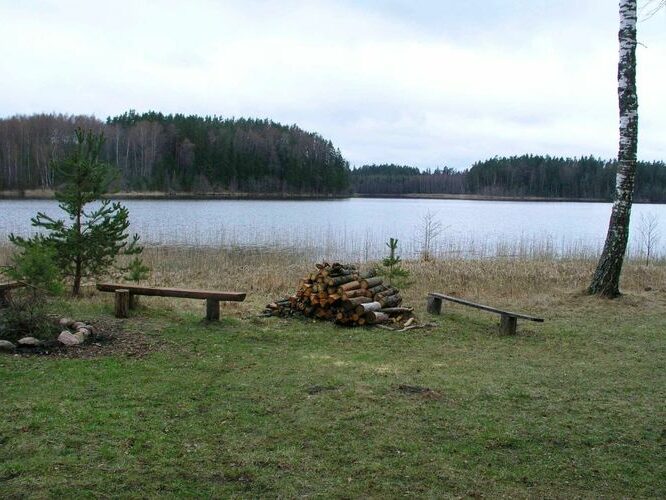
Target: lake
(357, 228)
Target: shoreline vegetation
(47, 194)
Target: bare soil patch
(112, 338)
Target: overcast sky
(419, 82)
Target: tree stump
(212, 309)
(434, 305)
(508, 325)
(122, 303)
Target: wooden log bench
(508, 319)
(124, 295)
(5, 291)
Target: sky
(428, 83)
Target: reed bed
(534, 283)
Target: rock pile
(73, 333)
(82, 332)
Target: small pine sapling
(137, 270)
(392, 268)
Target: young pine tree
(392, 265)
(88, 243)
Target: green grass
(270, 407)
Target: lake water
(357, 228)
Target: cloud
(429, 84)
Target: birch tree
(606, 279)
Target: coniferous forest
(524, 176)
(194, 154)
(177, 153)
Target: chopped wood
(377, 289)
(352, 285)
(370, 282)
(353, 293)
(341, 293)
(396, 310)
(375, 317)
(367, 307)
(390, 301)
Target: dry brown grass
(531, 285)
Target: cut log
(396, 310)
(386, 293)
(374, 317)
(333, 298)
(377, 289)
(353, 293)
(371, 282)
(367, 307)
(391, 301)
(352, 285)
(341, 280)
(358, 300)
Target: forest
(585, 178)
(193, 154)
(177, 153)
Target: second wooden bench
(124, 297)
(508, 319)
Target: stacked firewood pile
(341, 293)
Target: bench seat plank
(173, 292)
(485, 308)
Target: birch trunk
(606, 279)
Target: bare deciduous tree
(649, 235)
(430, 231)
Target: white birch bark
(606, 278)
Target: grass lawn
(269, 407)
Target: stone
(65, 322)
(7, 346)
(78, 324)
(29, 341)
(84, 331)
(80, 337)
(67, 338)
(90, 328)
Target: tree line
(516, 176)
(178, 153)
(175, 153)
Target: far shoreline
(38, 194)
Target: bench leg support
(133, 301)
(508, 325)
(122, 303)
(212, 310)
(434, 305)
